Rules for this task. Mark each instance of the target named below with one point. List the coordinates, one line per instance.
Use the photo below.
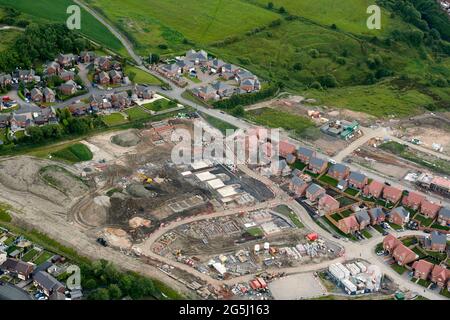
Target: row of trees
(248, 99)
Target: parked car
(385, 233)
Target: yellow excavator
(145, 179)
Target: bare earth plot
(299, 286)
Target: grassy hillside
(75, 153)
(55, 11)
(349, 15)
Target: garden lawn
(329, 180)
(160, 105)
(397, 268)
(30, 255)
(45, 255)
(136, 113)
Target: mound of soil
(126, 139)
(139, 191)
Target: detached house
(440, 276)
(103, 63)
(67, 75)
(413, 200)
(317, 165)
(436, 241)
(429, 208)
(363, 219)
(36, 95)
(404, 255)
(223, 89)
(144, 92)
(399, 216)
(298, 186)
(66, 59)
(49, 95)
(444, 216)
(198, 57)
(314, 192)
(374, 189)
(422, 269)
(357, 180)
(206, 93)
(216, 65)
(5, 79)
(103, 78)
(18, 121)
(348, 225)
(305, 154)
(327, 204)
(87, 56)
(53, 68)
(339, 171)
(248, 85)
(390, 242)
(377, 216)
(115, 76)
(69, 88)
(392, 194)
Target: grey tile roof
(356, 176)
(376, 212)
(438, 238)
(402, 211)
(47, 281)
(362, 215)
(445, 213)
(317, 162)
(297, 181)
(338, 167)
(314, 188)
(305, 152)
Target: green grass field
(44, 256)
(349, 15)
(75, 153)
(142, 77)
(155, 22)
(256, 232)
(279, 119)
(114, 119)
(219, 124)
(55, 11)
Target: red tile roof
(429, 206)
(391, 241)
(286, 148)
(375, 188)
(413, 199)
(404, 254)
(351, 222)
(441, 272)
(392, 193)
(423, 266)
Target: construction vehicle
(145, 179)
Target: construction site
(244, 244)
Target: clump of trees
(104, 282)
(41, 42)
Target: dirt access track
(41, 193)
